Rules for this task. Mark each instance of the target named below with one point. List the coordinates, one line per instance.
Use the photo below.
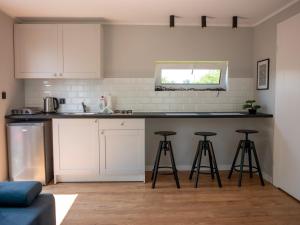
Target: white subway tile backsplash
(137, 94)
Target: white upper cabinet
(36, 50)
(81, 50)
(58, 51)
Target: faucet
(84, 106)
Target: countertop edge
(135, 115)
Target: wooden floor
(138, 204)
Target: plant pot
(252, 111)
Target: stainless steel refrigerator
(30, 154)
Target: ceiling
(149, 12)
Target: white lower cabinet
(99, 150)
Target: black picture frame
(263, 74)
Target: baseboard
(267, 177)
(221, 168)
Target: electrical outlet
(3, 94)
(62, 101)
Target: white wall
(14, 89)
(265, 47)
(287, 123)
(130, 51)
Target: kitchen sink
(79, 113)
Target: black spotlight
(172, 21)
(234, 22)
(203, 21)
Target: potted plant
(251, 106)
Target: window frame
(219, 65)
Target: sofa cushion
(40, 212)
(19, 193)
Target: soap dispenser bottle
(102, 104)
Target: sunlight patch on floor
(63, 204)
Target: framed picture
(263, 70)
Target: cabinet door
(81, 50)
(36, 50)
(122, 152)
(78, 146)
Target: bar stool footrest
(254, 169)
(207, 167)
(165, 172)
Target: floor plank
(133, 203)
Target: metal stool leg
(156, 158)
(211, 165)
(156, 168)
(257, 163)
(235, 158)
(173, 165)
(250, 162)
(199, 164)
(242, 165)
(215, 162)
(195, 160)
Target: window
(191, 75)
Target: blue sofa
(22, 204)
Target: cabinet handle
(60, 74)
(55, 74)
(123, 123)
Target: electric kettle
(50, 104)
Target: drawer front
(120, 124)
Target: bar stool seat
(246, 146)
(165, 133)
(247, 131)
(205, 146)
(205, 134)
(164, 146)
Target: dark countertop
(45, 116)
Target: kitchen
(71, 63)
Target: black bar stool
(203, 147)
(165, 146)
(247, 146)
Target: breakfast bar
(84, 146)
(42, 116)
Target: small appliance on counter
(26, 111)
(51, 105)
(106, 104)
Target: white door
(287, 108)
(81, 50)
(122, 152)
(36, 50)
(78, 146)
